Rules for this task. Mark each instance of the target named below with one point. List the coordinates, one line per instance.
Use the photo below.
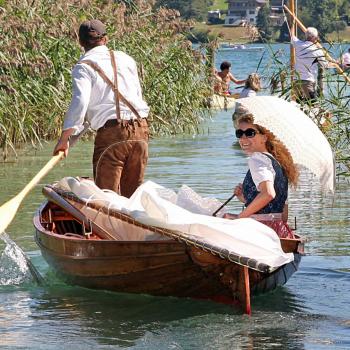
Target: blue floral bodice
(281, 188)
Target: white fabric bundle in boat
(192, 201)
(244, 237)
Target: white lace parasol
(304, 140)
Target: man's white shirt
(346, 58)
(93, 100)
(308, 55)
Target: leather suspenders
(114, 86)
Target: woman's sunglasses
(248, 133)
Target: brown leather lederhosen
(121, 146)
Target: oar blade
(8, 212)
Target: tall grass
(39, 49)
(331, 111)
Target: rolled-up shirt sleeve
(294, 40)
(82, 83)
(261, 168)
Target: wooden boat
(222, 102)
(137, 258)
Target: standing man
(224, 77)
(308, 57)
(107, 94)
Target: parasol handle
(228, 200)
(327, 55)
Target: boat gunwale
(180, 242)
(50, 190)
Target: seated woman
(265, 187)
(252, 86)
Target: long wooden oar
(9, 209)
(327, 55)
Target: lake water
(311, 311)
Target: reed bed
(40, 47)
(331, 111)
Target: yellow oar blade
(8, 212)
(9, 209)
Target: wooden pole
(244, 289)
(293, 32)
(327, 55)
(10, 208)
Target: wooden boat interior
(99, 222)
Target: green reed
(39, 49)
(331, 111)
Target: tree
(263, 22)
(284, 33)
(324, 15)
(188, 8)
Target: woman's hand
(238, 191)
(266, 195)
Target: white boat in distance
(240, 47)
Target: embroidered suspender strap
(97, 68)
(115, 88)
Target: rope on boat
(177, 235)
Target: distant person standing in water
(252, 86)
(345, 60)
(224, 79)
(308, 57)
(107, 93)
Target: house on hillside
(276, 14)
(242, 12)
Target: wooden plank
(244, 289)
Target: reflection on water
(102, 318)
(310, 312)
(94, 318)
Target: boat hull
(163, 267)
(222, 102)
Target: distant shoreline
(239, 35)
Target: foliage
(284, 35)
(39, 48)
(263, 22)
(219, 5)
(188, 8)
(197, 35)
(325, 15)
(215, 21)
(331, 111)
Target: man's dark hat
(93, 29)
